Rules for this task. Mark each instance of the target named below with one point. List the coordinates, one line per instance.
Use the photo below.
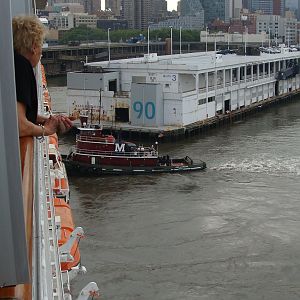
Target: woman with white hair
(28, 36)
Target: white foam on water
(267, 165)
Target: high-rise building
(279, 7)
(246, 4)
(114, 6)
(216, 9)
(91, 6)
(128, 14)
(269, 7)
(139, 13)
(190, 7)
(235, 8)
(96, 6)
(159, 10)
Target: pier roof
(195, 62)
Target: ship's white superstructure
(178, 90)
(38, 252)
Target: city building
(91, 6)
(228, 38)
(140, 13)
(190, 7)
(216, 9)
(67, 20)
(280, 28)
(85, 20)
(247, 22)
(113, 24)
(185, 22)
(114, 6)
(269, 7)
(246, 4)
(61, 21)
(279, 7)
(236, 7)
(159, 10)
(68, 7)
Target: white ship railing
(47, 279)
(228, 84)
(47, 283)
(147, 153)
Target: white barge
(174, 91)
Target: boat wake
(274, 166)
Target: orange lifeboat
(63, 210)
(60, 184)
(53, 139)
(44, 80)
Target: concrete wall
(91, 81)
(147, 108)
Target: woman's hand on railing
(50, 125)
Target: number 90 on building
(146, 104)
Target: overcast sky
(172, 4)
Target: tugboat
(96, 153)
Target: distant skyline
(172, 4)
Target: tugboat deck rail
(93, 139)
(145, 154)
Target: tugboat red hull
(115, 160)
(178, 166)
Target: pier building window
(254, 72)
(112, 85)
(121, 114)
(227, 106)
(272, 67)
(234, 75)
(187, 82)
(138, 79)
(201, 101)
(242, 73)
(261, 70)
(248, 71)
(211, 99)
(266, 68)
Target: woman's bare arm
(27, 128)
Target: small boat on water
(96, 153)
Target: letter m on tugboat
(119, 147)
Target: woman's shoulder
(21, 62)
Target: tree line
(84, 34)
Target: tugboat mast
(100, 103)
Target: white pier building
(178, 90)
